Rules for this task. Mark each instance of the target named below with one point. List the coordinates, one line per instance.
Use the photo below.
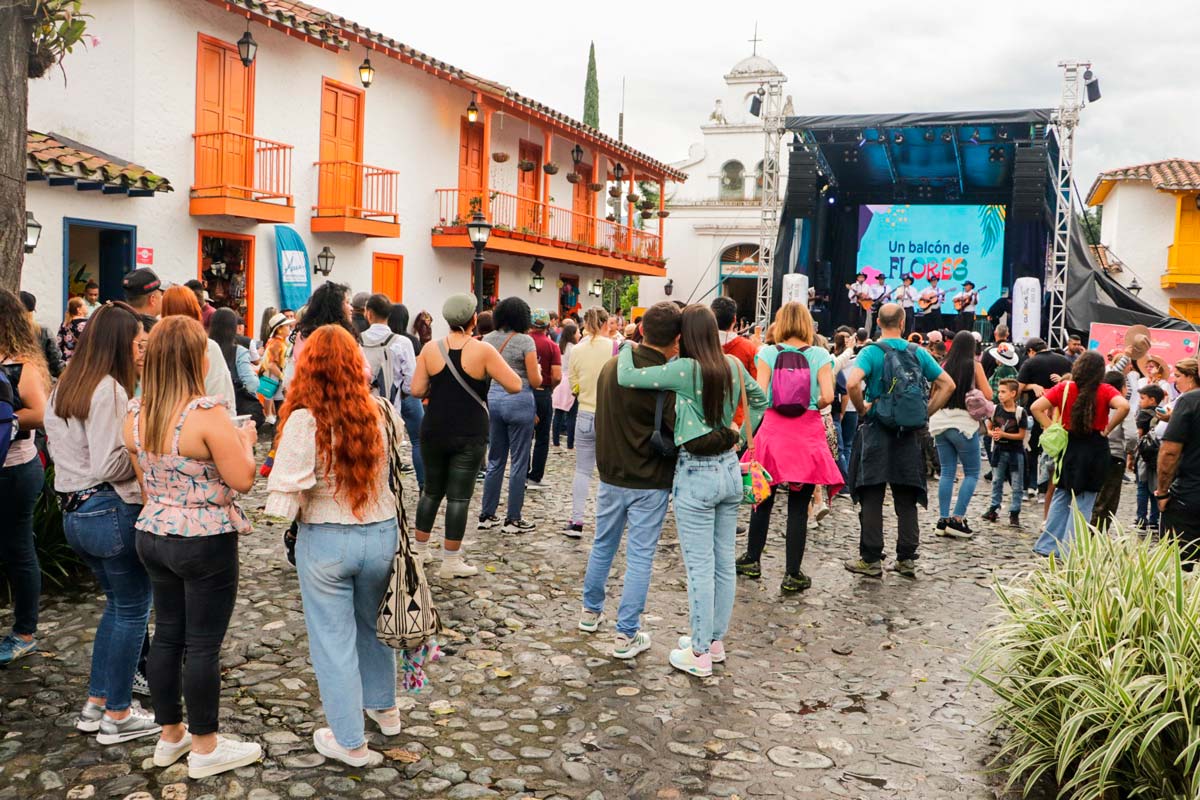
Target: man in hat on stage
(858, 292)
(933, 297)
(966, 302)
(906, 296)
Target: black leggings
(195, 580)
(797, 526)
(450, 472)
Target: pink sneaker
(687, 661)
(716, 650)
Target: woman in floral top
(192, 463)
(72, 327)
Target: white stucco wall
(134, 97)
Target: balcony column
(629, 212)
(546, 159)
(485, 201)
(599, 170)
(662, 186)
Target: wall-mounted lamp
(1135, 286)
(33, 232)
(325, 260)
(597, 288)
(247, 47)
(537, 281)
(472, 111)
(366, 73)
(576, 155)
(618, 172)
(669, 287)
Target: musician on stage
(857, 292)
(906, 295)
(879, 293)
(931, 298)
(966, 302)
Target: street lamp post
(478, 230)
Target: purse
(1054, 438)
(661, 444)
(756, 481)
(407, 616)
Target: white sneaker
(628, 647)
(327, 746)
(167, 753)
(536, 486)
(822, 511)
(227, 755)
(89, 717)
(388, 721)
(269, 419)
(453, 566)
(137, 724)
(589, 621)
(420, 551)
(716, 650)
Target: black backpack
(903, 404)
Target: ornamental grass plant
(1096, 662)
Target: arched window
(733, 181)
(739, 258)
(758, 181)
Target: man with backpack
(392, 363)
(895, 386)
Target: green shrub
(61, 566)
(1096, 661)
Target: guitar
(864, 299)
(926, 303)
(962, 302)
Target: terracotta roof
(1107, 260)
(331, 29)
(54, 156)
(1171, 175)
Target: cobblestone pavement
(857, 688)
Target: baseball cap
(141, 281)
(934, 336)
(540, 318)
(458, 309)
(1035, 343)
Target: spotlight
(1092, 84)
(861, 138)
(930, 135)
(898, 138)
(832, 200)
(947, 135)
(756, 102)
(975, 136)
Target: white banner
(795, 288)
(1026, 322)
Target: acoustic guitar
(864, 299)
(926, 303)
(962, 302)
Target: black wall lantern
(618, 172)
(366, 73)
(669, 287)
(537, 281)
(247, 47)
(325, 260)
(33, 232)
(472, 111)
(576, 155)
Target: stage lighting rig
(1092, 84)
(898, 137)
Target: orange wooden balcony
(240, 175)
(356, 198)
(530, 227)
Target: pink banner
(1169, 345)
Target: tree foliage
(591, 92)
(58, 26)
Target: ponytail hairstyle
(698, 341)
(594, 320)
(1087, 373)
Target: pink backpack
(791, 382)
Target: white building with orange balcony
(381, 168)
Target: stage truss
(771, 93)
(1066, 120)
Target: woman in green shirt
(708, 480)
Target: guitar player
(858, 292)
(879, 293)
(906, 295)
(966, 302)
(931, 299)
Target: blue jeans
(101, 532)
(412, 412)
(20, 486)
(1147, 506)
(343, 571)
(849, 426)
(954, 449)
(585, 463)
(707, 492)
(564, 425)
(1055, 538)
(644, 511)
(1008, 463)
(510, 437)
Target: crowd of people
(153, 421)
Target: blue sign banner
(295, 284)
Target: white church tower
(711, 234)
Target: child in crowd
(1150, 397)
(272, 362)
(1008, 428)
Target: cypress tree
(591, 92)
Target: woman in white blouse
(331, 475)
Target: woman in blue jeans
(21, 476)
(331, 475)
(512, 416)
(101, 502)
(957, 436)
(708, 386)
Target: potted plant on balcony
(611, 218)
(574, 177)
(596, 187)
(647, 213)
(526, 165)
(632, 198)
(614, 191)
(499, 158)
(550, 168)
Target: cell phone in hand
(241, 419)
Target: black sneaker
(1014, 519)
(572, 530)
(959, 525)
(487, 522)
(795, 583)
(941, 523)
(992, 515)
(517, 526)
(747, 566)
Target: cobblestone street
(857, 688)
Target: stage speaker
(803, 193)
(823, 275)
(1031, 175)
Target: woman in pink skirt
(790, 443)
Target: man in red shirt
(725, 310)
(550, 360)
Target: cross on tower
(755, 40)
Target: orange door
(470, 170)
(339, 184)
(224, 105)
(583, 203)
(387, 275)
(528, 188)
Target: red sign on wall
(145, 255)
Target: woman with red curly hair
(331, 475)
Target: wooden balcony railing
(244, 167)
(353, 189)
(561, 226)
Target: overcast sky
(845, 57)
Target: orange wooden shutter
(583, 203)
(387, 275)
(341, 141)
(528, 184)
(224, 102)
(470, 167)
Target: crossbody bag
(454, 373)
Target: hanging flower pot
(526, 166)
(647, 213)
(647, 204)
(611, 218)
(550, 168)
(632, 197)
(499, 158)
(664, 213)
(596, 187)
(615, 191)
(573, 177)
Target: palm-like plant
(991, 225)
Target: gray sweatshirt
(93, 451)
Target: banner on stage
(957, 243)
(795, 288)
(294, 276)
(1025, 322)
(1171, 345)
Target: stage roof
(951, 157)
